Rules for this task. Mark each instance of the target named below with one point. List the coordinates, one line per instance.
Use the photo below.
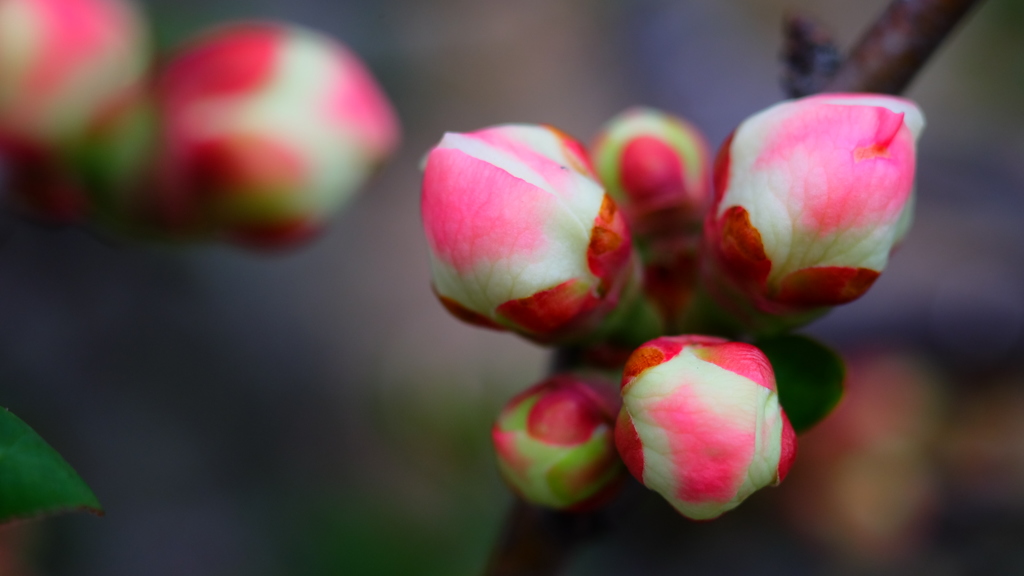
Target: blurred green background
(317, 413)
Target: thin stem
(538, 542)
(810, 56)
(897, 46)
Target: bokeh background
(317, 413)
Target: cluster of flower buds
(808, 199)
(700, 423)
(555, 443)
(811, 196)
(255, 133)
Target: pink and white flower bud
(267, 130)
(656, 167)
(810, 197)
(521, 235)
(701, 423)
(60, 62)
(555, 444)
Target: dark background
(317, 413)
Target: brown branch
(537, 541)
(809, 55)
(897, 46)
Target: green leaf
(34, 478)
(809, 376)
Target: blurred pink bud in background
(867, 482)
(267, 129)
(701, 423)
(62, 62)
(521, 235)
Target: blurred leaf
(34, 478)
(809, 376)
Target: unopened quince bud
(62, 60)
(810, 197)
(267, 129)
(701, 423)
(555, 444)
(521, 235)
(656, 167)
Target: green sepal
(34, 479)
(809, 376)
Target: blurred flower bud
(655, 166)
(810, 197)
(701, 423)
(60, 61)
(521, 235)
(267, 130)
(868, 484)
(555, 444)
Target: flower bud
(267, 130)
(868, 482)
(810, 197)
(555, 444)
(701, 423)
(60, 61)
(521, 235)
(656, 167)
